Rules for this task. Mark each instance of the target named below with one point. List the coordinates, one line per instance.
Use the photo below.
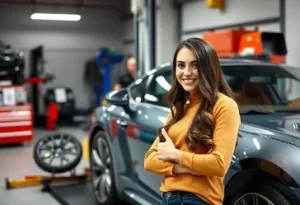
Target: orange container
(226, 42)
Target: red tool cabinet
(16, 115)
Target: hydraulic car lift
(45, 181)
(60, 187)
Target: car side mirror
(118, 98)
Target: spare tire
(57, 153)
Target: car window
(263, 86)
(158, 88)
(138, 89)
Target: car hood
(281, 126)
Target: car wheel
(57, 153)
(102, 171)
(266, 193)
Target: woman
(194, 149)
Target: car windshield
(269, 88)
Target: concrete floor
(17, 161)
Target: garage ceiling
(120, 6)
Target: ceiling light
(55, 17)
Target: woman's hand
(166, 150)
(177, 169)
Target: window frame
(151, 79)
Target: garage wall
(292, 31)
(293, 40)
(196, 15)
(166, 31)
(68, 45)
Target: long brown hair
(211, 81)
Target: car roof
(228, 62)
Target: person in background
(194, 148)
(126, 79)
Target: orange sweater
(212, 167)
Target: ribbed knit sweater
(213, 166)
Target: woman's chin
(190, 90)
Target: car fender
(260, 157)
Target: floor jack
(45, 181)
(56, 146)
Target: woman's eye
(180, 66)
(195, 66)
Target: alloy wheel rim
(59, 150)
(253, 199)
(101, 170)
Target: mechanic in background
(126, 79)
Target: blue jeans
(181, 198)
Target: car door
(149, 111)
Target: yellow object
(215, 4)
(11, 183)
(39, 180)
(86, 148)
(104, 102)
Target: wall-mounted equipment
(248, 44)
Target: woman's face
(187, 70)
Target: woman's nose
(187, 71)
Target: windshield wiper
(256, 112)
(288, 110)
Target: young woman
(193, 150)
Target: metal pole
(282, 30)
(136, 40)
(152, 32)
(179, 21)
(282, 16)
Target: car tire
(102, 172)
(53, 149)
(271, 192)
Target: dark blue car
(265, 167)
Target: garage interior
(69, 66)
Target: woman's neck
(194, 97)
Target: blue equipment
(106, 58)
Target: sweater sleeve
(227, 121)
(155, 165)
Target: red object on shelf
(52, 116)
(16, 121)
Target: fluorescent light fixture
(55, 17)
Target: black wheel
(57, 153)
(265, 193)
(102, 171)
